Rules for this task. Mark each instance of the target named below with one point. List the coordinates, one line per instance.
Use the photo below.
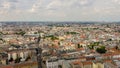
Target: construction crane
(39, 52)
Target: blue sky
(59, 10)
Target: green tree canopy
(92, 45)
(101, 49)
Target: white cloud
(117, 1)
(59, 9)
(59, 4)
(54, 5)
(6, 5)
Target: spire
(39, 53)
(38, 39)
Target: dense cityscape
(63, 45)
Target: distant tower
(39, 53)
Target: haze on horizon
(60, 10)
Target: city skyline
(60, 10)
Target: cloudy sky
(59, 10)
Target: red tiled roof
(87, 63)
(6, 66)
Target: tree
(101, 49)
(20, 33)
(52, 37)
(116, 47)
(35, 32)
(16, 46)
(11, 59)
(79, 46)
(28, 58)
(2, 40)
(17, 60)
(71, 33)
(92, 45)
(59, 66)
(109, 39)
